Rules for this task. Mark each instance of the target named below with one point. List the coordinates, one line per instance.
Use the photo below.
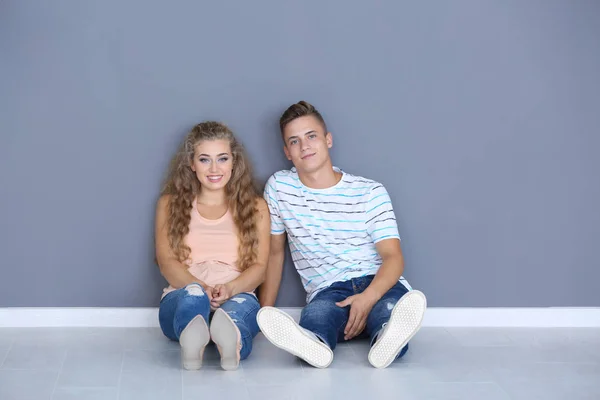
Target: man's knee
(387, 304)
(321, 311)
(384, 307)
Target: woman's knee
(193, 296)
(242, 309)
(195, 289)
(242, 301)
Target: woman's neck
(212, 198)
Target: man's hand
(360, 307)
(221, 293)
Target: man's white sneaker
(405, 321)
(281, 330)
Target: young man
(345, 245)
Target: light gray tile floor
(451, 363)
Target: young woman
(212, 245)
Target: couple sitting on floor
(218, 240)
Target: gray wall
(482, 118)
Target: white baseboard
(435, 317)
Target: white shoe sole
(193, 340)
(405, 321)
(227, 337)
(281, 330)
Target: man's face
(307, 144)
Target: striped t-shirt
(331, 232)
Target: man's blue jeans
(326, 320)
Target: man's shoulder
(285, 175)
(283, 184)
(283, 178)
(365, 185)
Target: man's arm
(386, 277)
(381, 225)
(390, 271)
(268, 291)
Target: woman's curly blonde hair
(182, 187)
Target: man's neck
(323, 178)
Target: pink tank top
(214, 249)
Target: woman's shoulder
(261, 205)
(262, 213)
(163, 200)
